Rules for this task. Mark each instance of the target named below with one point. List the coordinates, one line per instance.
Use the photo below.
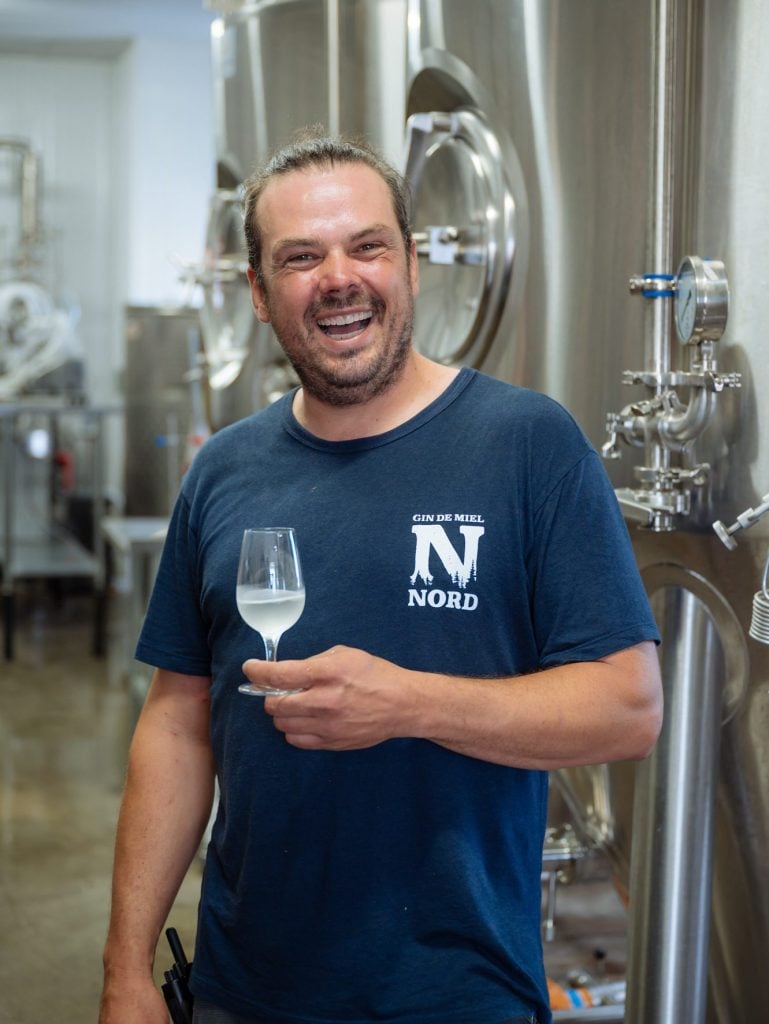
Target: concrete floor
(65, 724)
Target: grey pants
(205, 1013)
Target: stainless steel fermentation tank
(279, 66)
(560, 148)
(557, 149)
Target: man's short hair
(309, 150)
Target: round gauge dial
(701, 300)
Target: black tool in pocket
(176, 989)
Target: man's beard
(337, 381)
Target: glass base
(257, 691)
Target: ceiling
(99, 28)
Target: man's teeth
(343, 321)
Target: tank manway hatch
(464, 221)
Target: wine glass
(270, 590)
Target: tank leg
(673, 816)
(8, 624)
(99, 622)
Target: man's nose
(338, 272)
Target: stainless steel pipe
(664, 109)
(589, 1015)
(660, 245)
(672, 853)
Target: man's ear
(414, 268)
(258, 297)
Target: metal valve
(445, 245)
(718, 381)
(744, 521)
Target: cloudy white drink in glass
(270, 590)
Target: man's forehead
(308, 186)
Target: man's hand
(132, 1001)
(587, 712)
(351, 699)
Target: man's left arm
(580, 713)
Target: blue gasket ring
(659, 293)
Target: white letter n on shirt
(460, 570)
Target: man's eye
(368, 248)
(298, 261)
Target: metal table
(140, 539)
(32, 543)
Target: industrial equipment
(353, 61)
(51, 460)
(611, 117)
(40, 351)
(558, 149)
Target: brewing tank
(553, 162)
(280, 66)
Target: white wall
(63, 109)
(127, 150)
(169, 164)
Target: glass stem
(271, 648)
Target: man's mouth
(345, 325)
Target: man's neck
(420, 383)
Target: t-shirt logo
(436, 549)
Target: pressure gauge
(701, 300)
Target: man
(474, 618)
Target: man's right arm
(165, 808)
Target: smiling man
(340, 297)
(335, 273)
(474, 618)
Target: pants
(205, 1013)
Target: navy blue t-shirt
(399, 883)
